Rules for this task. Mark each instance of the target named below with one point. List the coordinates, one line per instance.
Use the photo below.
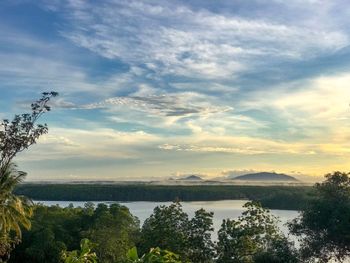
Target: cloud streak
(155, 87)
(173, 39)
(177, 105)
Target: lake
(222, 210)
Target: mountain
(265, 176)
(192, 178)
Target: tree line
(111, 234)
(274, 197)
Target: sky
(157, 89)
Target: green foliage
(113, 229)
(132, 255)
(239, 240)
(280, 250)
(199, 244)
(168, 235)
(276, 197)
(169, 228)
(84, 255)
(166, 228)
(15, 211)
(20, 133)
(324, 225)
(287, 199)
(53, 229)
(155, 255)
(43, 248)
(16, 136)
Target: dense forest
(113, 231)
(111, 234)
(274, 197)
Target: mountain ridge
(265, 176)
(192, 177)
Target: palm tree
(15, 211)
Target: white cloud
(176, 104)
(206, 87)
(211, 143)
(327, 98)
(177, 111)
(172, 49)
(320, 101)
(176, 40)
(63, 143)
(39, 65)
(40, 73)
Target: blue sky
(153, 89)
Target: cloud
(175, 111)
(319, 102)
(207, 87)
(209, 143)
(32, 64)
(177, 104)
(184, 85)
(29, 71)
(63, 143)
(175, 39)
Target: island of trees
(111, 234)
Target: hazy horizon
(155, 89)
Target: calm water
(222, 210)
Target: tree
(16, 136)
(200, 245)
(166, 228)
(23, 131)
(324, 225)
(114, 230)
(15, 211)
(239, 240)
(169, 228)
(54, 229)
(281, 250)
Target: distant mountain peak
(192, 177)
(266, 176)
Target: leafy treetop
(324, 225)
(23, 131)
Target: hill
(265, 176)
(191, 178)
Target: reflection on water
(222, 210)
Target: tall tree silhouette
(16, 136)
(23, 131)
